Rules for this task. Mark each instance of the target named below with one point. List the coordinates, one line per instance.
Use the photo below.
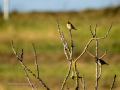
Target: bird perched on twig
(101, 62)
(70, 26)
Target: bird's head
(68, 22)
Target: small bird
(70, 26)
(101, 62)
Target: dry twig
(36, 60)
(113, 82)
(66, 48)
(95, 38)
(26, 66)
(28, 79)
(83, 82)
(66, 76)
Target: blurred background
(34, 21)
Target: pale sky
(58, 5)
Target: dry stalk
(85, 49)
(70, 58)
(28, 79)
(66, 48)
(71, 54)
(66, 76)
(113, 82)
(36, 60)
(83, 82)
(103, 54)
(25, 67)
(95, 38)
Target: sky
(57, 5)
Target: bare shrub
(68, 51)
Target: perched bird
(70, 26)
(101, 62)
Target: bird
(70, 26)
(101, 62)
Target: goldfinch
(101, 62)
(70, 26)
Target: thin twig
(67, 76)
(96, 60)
(65, 43)
(22, 55)
(28, 79)
(113, 82)
(36, 60)
(26, 67)
(83, 82)
(91, 32)
(96, 82)
(95, 30)
(100, 72)
(71, 54)
(84, 50)
(103, 54)
(73, 72)
(76, 75)
(106, 34)
(90, 53)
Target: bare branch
(103, 54)
(106, 34)
(65, 51)
(77, 78)
(76, 75)
(96, 64)
(22, 55)
(16, 52)
(84, 49)
(83, 82)
(96, 82)
(36, 60)
(91, 32)
(65, 43)
(58, 29)
(28, 79)
(96, 48)
(67, 76)
(71, 54)
(95, 30)
(73, 72)
(113, 82)
(100, 72)
(27, 68)
(90, 53)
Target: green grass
(41, 29)
(52, 70)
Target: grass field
(40, 28)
